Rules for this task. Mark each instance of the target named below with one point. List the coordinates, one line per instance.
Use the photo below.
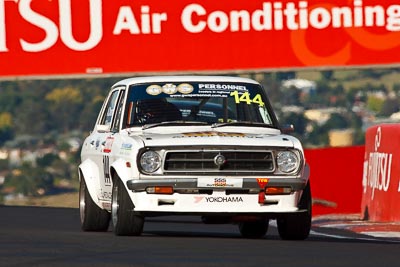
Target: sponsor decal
(232, 87)
(185, 88)
(210, 134)
(108, 144)
(154, 89)
(220, 134)
(377, 169)
(126, 146)
(224, 199)
(169, 88)
(220, 182)
(105, 195)
(262, 182)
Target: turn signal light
(166, 190)
(278, 190)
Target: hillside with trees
(43, 122)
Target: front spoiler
(233, 215)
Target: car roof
(183, 78)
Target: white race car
(193, 145)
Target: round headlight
(287, 161)
(150, 161)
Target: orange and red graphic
(207, 35)
(262, 182)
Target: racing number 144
(245, 97)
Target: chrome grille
(204, 162)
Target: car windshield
(197, 103)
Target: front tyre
(297, 226)
(93, 218)
(124, 220)
(256, 229)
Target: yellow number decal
(245, 97)
(236, 95)
(258, 100)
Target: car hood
(217, 138)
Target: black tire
(125, 221)
(93, 218)
(297, 226)
(256, 229)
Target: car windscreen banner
(75, 37)
(239, 92)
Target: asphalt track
(34, 236)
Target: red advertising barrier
(381, 179)
(336, 179)
(69, 37)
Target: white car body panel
(121, 149)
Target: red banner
(336, 176)
(67, 37)
(381, 179)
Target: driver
(157, 110)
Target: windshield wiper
(173, 123)
(242, 123)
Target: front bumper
(190, 198)
(295, 184)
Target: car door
(106, 131)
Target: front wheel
(125, 221)
(93, 218)
(297, 226)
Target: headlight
(150, 161)
(287, 161)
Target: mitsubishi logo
(219, 160)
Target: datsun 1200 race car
(193, 145)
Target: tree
(336, 121)
(389, 106)
(327, 74)
(298, 120)
(6, 130)
(32, 117)
(91, 109)
(65, 106)
(290, 96)
(29, 179)
(285, 75)
(318, 136)
(374, 103)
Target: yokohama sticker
(224, 199)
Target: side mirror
(102, 128)
(287, 128)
